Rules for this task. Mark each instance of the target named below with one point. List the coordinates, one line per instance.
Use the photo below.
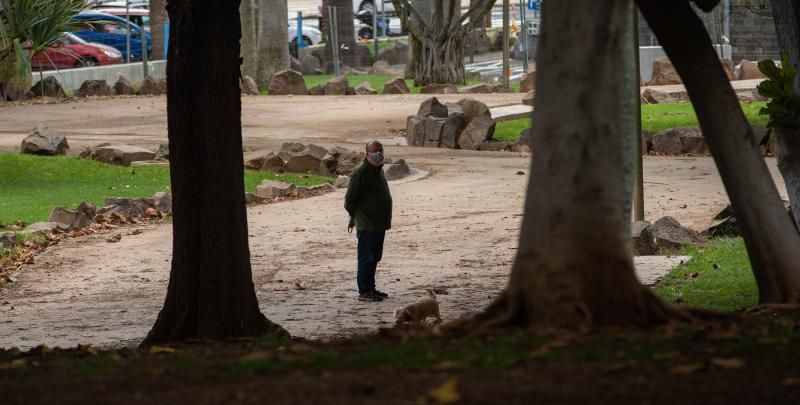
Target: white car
(369, 5)
(311, 35)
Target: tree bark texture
(248, 10)
(345, 33)
(573, 268)
(771, 240)
(273, 40)
(210, 293)
(437, 41)
(786, 14)
(158, 16)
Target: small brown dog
(419, 311)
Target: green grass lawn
(655, 117)
(718, 277)
(376, 81)
(30, 186)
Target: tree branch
(413, 21)
(474, 14)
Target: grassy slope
(30, 186)
(655, 117)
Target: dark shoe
(380, 294)
(370, 297)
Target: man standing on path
(369, 203)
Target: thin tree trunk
(573, 268)
(158, 16)
(248, 10)
(771, 240)
(273, 40)
(786, 14)
(210, 293)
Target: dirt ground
(455, 229)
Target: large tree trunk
(573, 268)
(273, 40)
(771, 239)
(786, 14)
(210, 293)
(437, 32)
(345, 33)
(248, 10)
(158, 16)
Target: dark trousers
(370, 251)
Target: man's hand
(351, 225)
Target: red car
(71, 51)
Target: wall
(71, 79)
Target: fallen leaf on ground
(161, 349)
(299, 229)
(135, 232)
(520, 173)
(114, 239)
(300, 285)
(727, 363)
(446, 393)
(440, 291)
(689, 368)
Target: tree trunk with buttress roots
(210, 293)
(437, 42)
(573, 268)
(786, 14)
(771, 239)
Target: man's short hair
(366, 148)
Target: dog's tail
(430, 293)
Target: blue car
(111, 30)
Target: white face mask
(376, 158)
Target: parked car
(369, 5)
(121, 4)
(138, 16)
(71, 51)
(111, 30)
(311, 35)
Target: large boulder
(650, 96)
(49, 87)
(329, 166)
(123, 86)
(93, 88)
(153, 87)
(382, 67)
(644, 243)
(7, 240)
(396, 54)
(70, 219)
(452, 129)
(317, 90)
(274, 189)
(310, 65)
(478, 130)
(127, 207)
(290, 148)
(122, 154)
(433, 132)
(44, 141)
(338, 86)
(415, 129)
(528, 98)
(748, 70)
(396, 86)
(396, 170)
(348, 162)
(494, 146)
(437, 88)
(473, 109)
(664, 73)
(680, 141)
(88, 209)
(480, 88)
(342, 182)
(528, 82)
(163, 201)
(365, 89)
(307, 160)
(433, 108)
(287, 82)
(269, 161)
(669, 234)
(248, 85)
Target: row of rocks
(295, 157)
(663, 72)
(392, 170)
(275, 190)
(690, 141)
(466, 124)
(290, 82)
(50, 87)
(653, 96)
(664, 234)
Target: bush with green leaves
(783, 108)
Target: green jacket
(368, 199)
